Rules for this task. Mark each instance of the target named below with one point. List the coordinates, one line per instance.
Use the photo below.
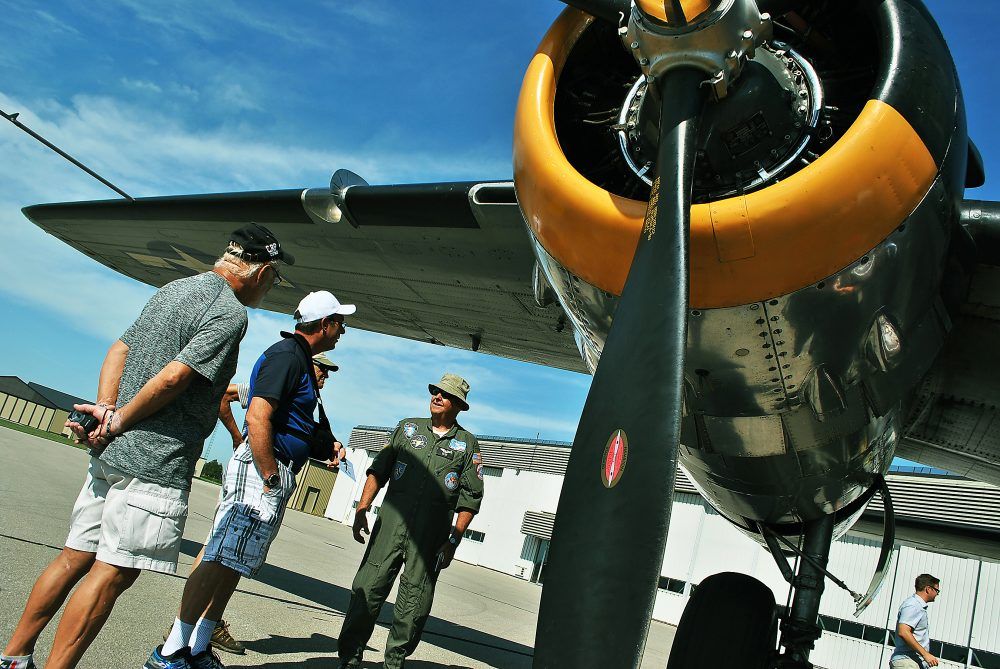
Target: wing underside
(448, 264)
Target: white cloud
(141, 85)
(216, 20)
(371, 13)
(54, 23)
(147, 149)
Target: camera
(86, 421)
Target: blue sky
(210, 97)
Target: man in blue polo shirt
(280, 435)
(913, 634)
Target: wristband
(107, 425)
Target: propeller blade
(675, 13)
(614, 509)
(609, 10)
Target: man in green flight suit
(434, 468)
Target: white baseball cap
(320, 304)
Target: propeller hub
(718, 40)
(752, 137)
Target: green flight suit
(430, 477)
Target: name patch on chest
(446, 453)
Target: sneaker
(223, 640)
(206, 659)
(157, 660)
(17, 664)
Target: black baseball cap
(256, 243)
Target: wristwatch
(453, 540)
(273, 481)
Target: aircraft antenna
(13, 119)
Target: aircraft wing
(954, 423)
(447, 264)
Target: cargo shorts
(247, 519)
(128, 522)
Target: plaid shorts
(247, 518)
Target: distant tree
(212, 471)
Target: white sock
(202, 635)
(179, 637)
(17, 661)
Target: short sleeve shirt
(913, 612)
(283, 375)
(431, 469)
(196, 321)
(243, 394)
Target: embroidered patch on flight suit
(458, 446)
(418, 441)
(477, 458)
(410, 429)
(479, 472)
(446, 453)
(397, 472)
(451, 480)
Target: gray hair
(237, 266)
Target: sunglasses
(437, 391)
(277, 276)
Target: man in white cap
(222, 638)
(280, 436)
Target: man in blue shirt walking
(280, 435)
(913, 635)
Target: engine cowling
(827, 190)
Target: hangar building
(35, 405)
(523, 478)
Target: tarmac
(290, 616)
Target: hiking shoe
(206, 659)
(223, 640)
(178, 660)
(17, 664)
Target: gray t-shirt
(197, 321)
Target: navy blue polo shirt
(281, 373)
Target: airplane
(747, 219)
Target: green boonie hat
(323, 362)
(454, 385)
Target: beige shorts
(905, 663)
(128, 522)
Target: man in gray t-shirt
(197, 322)
(159, 392)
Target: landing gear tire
(730, 621)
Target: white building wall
(505, 500)
(347, 490)
(702, 543)
(986, 628)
